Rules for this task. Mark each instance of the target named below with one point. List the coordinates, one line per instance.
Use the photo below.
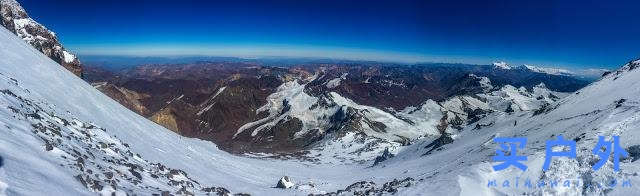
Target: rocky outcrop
(386, 155)
(14, 18)
(177, 116)
(285, 183)
(128, 98)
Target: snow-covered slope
(606, 108)
(15, 19)
(60, 135)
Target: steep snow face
(15, 19)
(609, 107)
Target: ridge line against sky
(565, 34)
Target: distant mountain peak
(548, 70)
(501, 65)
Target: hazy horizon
(562, 34)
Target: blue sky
(572, 34)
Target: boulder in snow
(285, 183)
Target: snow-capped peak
(501, 65)
(548, 70)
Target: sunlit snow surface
(462, 167)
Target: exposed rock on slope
(15, 19)
(285, 183)
(126, 97)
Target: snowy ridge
(15, 19)
(501, 65)
(626, 68)
(545, 70)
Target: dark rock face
(444, 139)
(127, 98)
(15, 19)
(1, 161)
(634, 152)
(383, 157)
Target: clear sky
(562, 33)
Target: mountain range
(248, 107)
(342, 128)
